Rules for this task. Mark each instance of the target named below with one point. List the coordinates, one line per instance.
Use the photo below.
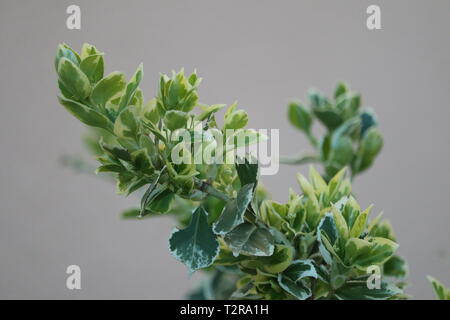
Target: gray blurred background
(259, 52)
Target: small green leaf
(110, 168)
(368, 120)
(108, 88)
(151, 193)
(86, 115)
(247, 171)
(327, 235)
(126, 125)
(306, 187)
(441, 291)
(115, 152)
(88, 50)
(196, 246)
(208, 111)
(364, 253)
(317, 181)
(358, 290)
(131, 88)
(73, 79)
(395, 267)
(370, 146)
(299, 117)
(233, 213)
(300, 269)
(341, 88)
(340, 223)
(174, 119)
(250, 240)
(161, 203)
(360, 223)
(65, 51)
(330, 119)
(243, 137)
(341, 151)
(279, 261)
(236, 120)
(298, 289)
(93, 67)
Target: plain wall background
(259, 52)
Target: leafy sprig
(318, 245)
(351, 137)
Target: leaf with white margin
(86, 115)
(233, 213)
(196, 246)
(73, 79)
(300, 269)
(358, 290)
(327, 235)
(297, 289)
(108, 88)
(250, 240)
(131, 88)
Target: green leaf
(341, 151)
(88, 50)
(142, 162)
(115, 152)
(298, 289)
(250, 240)
(441, 291)
(110, 168)
(317, 181)
(174, 119)
(327, 235)
(65, 51)
(364, 253)
(245, 293)
(108, 88)
(149, 111)
(196, 246)
(358, 290)
(330, 119)
(233, 213)
(368, 120)
(341, 88)
(300, 117)
(275, 263)
(247, 172)
(395, 267)
(236, 120)
(360, 224)
(86, 115)
(162, 203)
(147, 143)
(340, 223)
(151, 193)
(306, 187)
(300, 269)
(93, 67)
(208, 111)
(73, 79)
(243, 137)
(131, 88)
(370, 146)
(134, 214)
(126, 125)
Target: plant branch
(209, 189)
